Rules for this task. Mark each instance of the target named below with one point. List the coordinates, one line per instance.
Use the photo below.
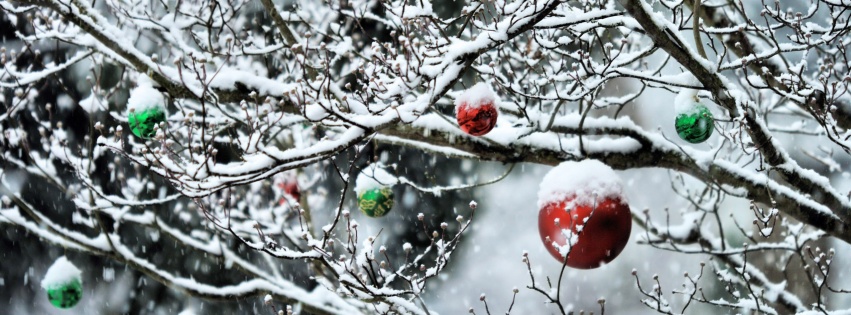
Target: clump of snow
(64, 101)
(108, 274)
(144, 97)
(13, 136)
(686, 102)
(586, 181)
(476, 96)
(145, 80)
(373, 177)
(62, 272)
(92, 104)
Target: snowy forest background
(196, 219)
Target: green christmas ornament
(376, 202)
(142, 122)
(67, 295)
(695, 125)
(63, 284)
(147, 109)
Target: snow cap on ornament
(374, 189)
(583, 214)
(63, 284)
(146, 108)
(475, 109)
(586, 182)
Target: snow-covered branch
(239, 130)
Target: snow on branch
(246, 123)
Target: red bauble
(290, 187)
(477, 121)
(599, 233)
(475, 109)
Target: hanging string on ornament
(475, 110)
(63, 284)
(146, 110)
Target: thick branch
(79, 15)
(738, 43)
(289, 38)
(762, 139)
(651, 153)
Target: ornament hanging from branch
(583, 214)
(475, 110)
(374, 187)
(694, 122)
(146, 109)
(63, 284)
(288, 185)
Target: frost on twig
(308, 89)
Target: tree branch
(806, 181)
(738, 43)
(651, 151)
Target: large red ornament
(598, 232)
(475, 110)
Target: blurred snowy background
(488, 260)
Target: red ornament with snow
(583, 214)
(476, 111)
(289, 185)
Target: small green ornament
(142, 121)
(376, 202)
(63, 283)
(65, 295)
(695, 125)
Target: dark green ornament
(65, 295)
(376, 202)
(696, 125)
(142, 121)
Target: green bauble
(65, 295)
(696, 124)
(142, 121)
(376, 202)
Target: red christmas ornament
(598, 233)
(583, 214)
(475, 110)
(290, 187)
